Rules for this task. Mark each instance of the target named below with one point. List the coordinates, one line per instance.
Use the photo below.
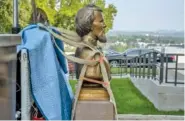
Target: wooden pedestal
(94, 104)
(94, 110)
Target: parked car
(112, 52)
(116, 59)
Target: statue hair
(85, 18)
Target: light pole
(15, 28)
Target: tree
(48, 6)
(119, 47)
(6, 14)
(24, 12)
(65, 16)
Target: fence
(177, 67)
(154, 65)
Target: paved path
(171, 72)
(148, 117)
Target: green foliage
(109, 14)
(49, 7)
(119, 47)
(24, 12)
(6, 14)
(131, 40)
(64, 17)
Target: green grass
(130, 101)
(73, 83)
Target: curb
(149, 117)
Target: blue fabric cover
(50, 87)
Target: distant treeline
(146, 38)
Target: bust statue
(91, 91)
(90, 27)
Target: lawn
(130, 101)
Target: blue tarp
(50, 88)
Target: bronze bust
(90, 27)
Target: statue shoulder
(83, 52)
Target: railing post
(154, 65)
(121, 67)
(130, 66)
(126, 65)
(133, 66)
(166, 70)
(140, 66)
(176, 66)
(162, 68)
(149, 65)
(132, 69)
(136, 61)
(144, 65)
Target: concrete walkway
(149, 117)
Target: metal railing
(139, 66)
(154, 65)
(145, 66)
(72, 70)
(176, 69)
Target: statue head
(90, 20)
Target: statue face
(98, 27)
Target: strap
(69, 34)
(80, 82)
(96, 81)
(62, 37)
(78, 60)
(105, 79)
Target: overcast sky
(149, 15)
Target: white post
(26, 99)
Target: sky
(148, 15)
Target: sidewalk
(149, 117)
